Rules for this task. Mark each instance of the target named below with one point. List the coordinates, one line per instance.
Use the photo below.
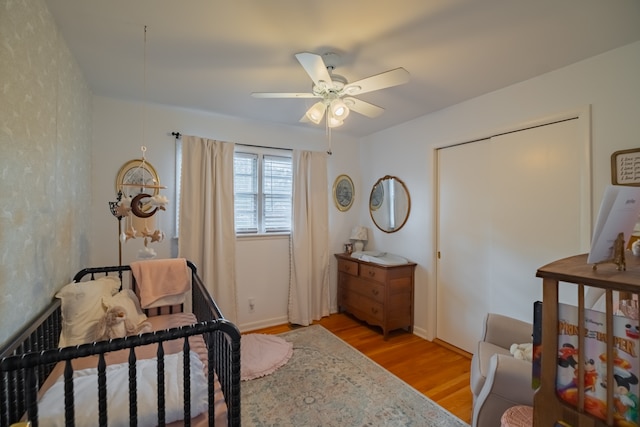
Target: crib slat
(102, 391)
(186, 368)
(161, 411)
(133, 389)
(211, 386)
(4, 397)
(31, 397)
(69, 413)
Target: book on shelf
(536, 359)
(617, 217)
(625, 363)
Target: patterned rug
(329, 383)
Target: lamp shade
(333, 122)
(316, 112)
(359, 232)
(339, 109)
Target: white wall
(262, 263)
(609, 83)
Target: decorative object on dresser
(359, 235)
(381, 295)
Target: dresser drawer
(368, 289)
(373, 273)
(349, 267)
(363, 307)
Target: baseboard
(265, 323)
(453, 348)
(422, 333)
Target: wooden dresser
(380, 295)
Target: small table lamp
(359, 236)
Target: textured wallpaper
(45, 161)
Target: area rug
(327, 382)
(262, 354)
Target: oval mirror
(389, 204)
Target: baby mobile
(137, 202)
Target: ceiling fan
(336, 94)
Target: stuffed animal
(522, 351)
(116, 324)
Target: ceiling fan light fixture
(332, 122)
(316, 112)
(339, 109)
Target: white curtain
(309, 282)
(207, 231)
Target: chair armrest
(508, 384)
(504, 331)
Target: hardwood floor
(440, 373)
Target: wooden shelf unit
(548, 407)
(380, 295)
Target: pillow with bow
(81, 306)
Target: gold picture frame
(343, 192)
(625, 167)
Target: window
(262, 190)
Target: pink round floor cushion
(262, 354)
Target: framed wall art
(343, 192)
(625, 167)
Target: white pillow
(128, 300)
(82, 308)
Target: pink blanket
(161, 281)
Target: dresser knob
(375, 291)
(374, 310)
(372, 273)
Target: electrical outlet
(252, 305)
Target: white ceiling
(211, 54)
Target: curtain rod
(264, 146)
(178, 135)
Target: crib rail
(28, 363)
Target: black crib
(28, 358)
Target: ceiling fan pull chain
(328, 130)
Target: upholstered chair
(499, 380)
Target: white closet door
(529, 197)
(464, 218)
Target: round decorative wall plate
(343, 192)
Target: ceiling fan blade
(282, 95)
(387, 79)
(363, 107)
(314, 66)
